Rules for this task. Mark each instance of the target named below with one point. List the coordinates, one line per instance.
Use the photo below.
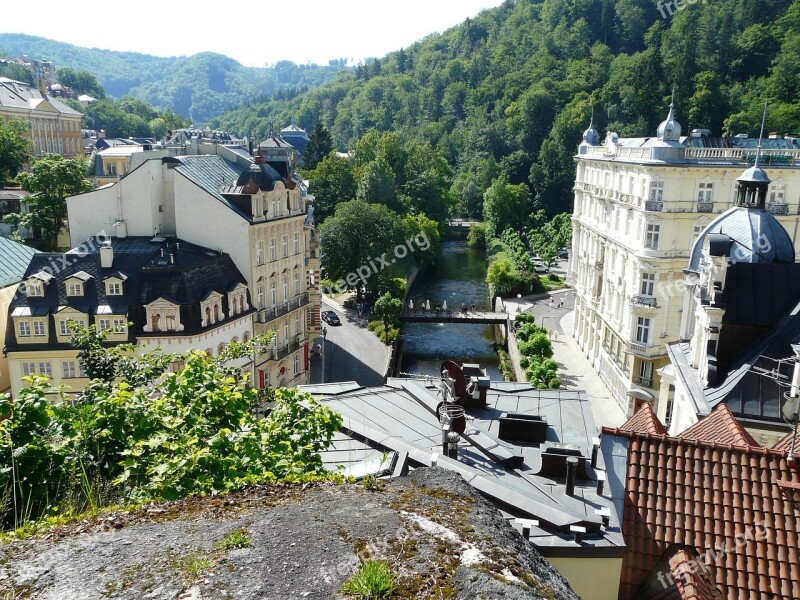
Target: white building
(253, 210)
(640, 203)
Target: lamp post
(324, 352)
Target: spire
(670, 129)
(761, 135)
(591, 136)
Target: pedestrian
(551, 302)
(473, 307)
(555, 335)
(561, 302)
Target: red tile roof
(724, 502)
(785, 444)
(721, 427)
(645, 421)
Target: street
(352, 352)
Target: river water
(458, 276)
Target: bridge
(455, 316)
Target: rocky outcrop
(441, 539)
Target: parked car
(330, 317)
(539, 267)
(563, 253)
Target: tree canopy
(15, 148)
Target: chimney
(595, 449)
(171, 258)
(106, 255)
(572, 469)
(43, 86)
(601, 480)
(259, 158)
(452, 445)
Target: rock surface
(441, 538)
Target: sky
(254, 33)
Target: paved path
(353, 352)
(575, 372)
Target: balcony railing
(706, 207)
(654, 206)
(777, 208)
(639, 300)
(645, 381)
(285, 350)
(265, 315)
(645, 350)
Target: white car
(539, 267)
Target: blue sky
(254, 33)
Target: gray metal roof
(14, 261)
(212, 173)
(398, 417)
(758, 237)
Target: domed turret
(590, 136)
(261, 174)
(670, 130)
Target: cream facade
(639, 206)
(54, 126)
(223, 200)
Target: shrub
(373, 580)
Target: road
(352, 352)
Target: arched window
(221, 349)
(154, 322)
(216, 313)
(208, 316)
(246, 337)
(241, 303)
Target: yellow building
(54, 126)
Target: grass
(195, 566)
(373, 580)
(238, 538)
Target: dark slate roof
(263, 175)
(398, 417)
(212, 173)
(758, 237)
(14, 261)
(195, 272)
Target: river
(458, 276)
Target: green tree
(331, 182)
(15, 148)
(543, 373)
(357, 242)
(320, 145)
(505, 205)
(81, 82)
(424, 235)
(51, 180)
(388, 309)
(377, 185)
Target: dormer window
(74, 288)
(34, 288)
(114, 283)
(75, 283)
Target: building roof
(726, 503)
(756, 235)
(645, 421)
(14, 261)
(400, 417)
(210, 172)
(720, 427)
(15, 94)
(184, 274)
(785, 443)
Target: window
(111, 168)
(113, 288)
(277, 208)
(657, 191)
(68, 369)
(273, 293)
(28, 368)
(296, 364)
(284, 246)
(646, 373)
(648, 284)
(286, 331)
(105, 324)
(643, 330)
(119, 325)
(24, 329)
(296, 281)
(776, 195)
(45, 369)
(220, 349)
(34, 288)
(38, 328)
(272, 249)
(297, 243)
(651, 236)
(297, 325)
(697, 230)
(261, 297)
(259, 253)
(285, 289)
(705, 192)
(74, 288)
(246, 337)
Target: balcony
(654, 206)
(705, 207)
(285, 350)
(649, 301)
(265, 315)
(645, 350)
(778, 208)
(644, 381)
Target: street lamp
(324, 336)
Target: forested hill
(199, 87)
(513, 88)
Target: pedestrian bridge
(454, 316)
